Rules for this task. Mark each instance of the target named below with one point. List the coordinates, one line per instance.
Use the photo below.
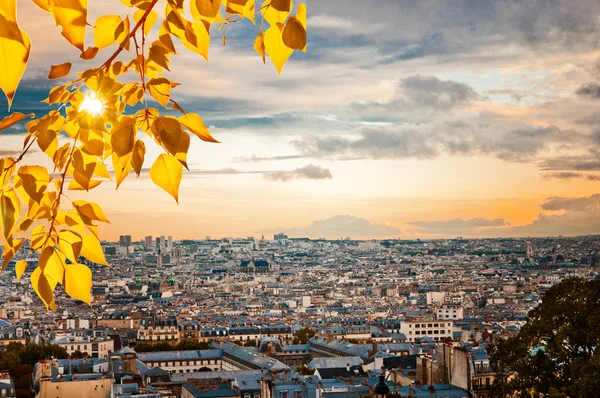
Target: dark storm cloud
(310, 172)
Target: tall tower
(530, 248)
(159, 259)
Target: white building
(415, 330)
(450, 312)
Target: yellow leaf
(58, 71)
(70, 244)
(43, 4)
(20, 268)
(92, 250)
(197, 38)
(193, 122)
(294, 34)
(164, 37)
(122, 167)
(282, 5)
(10, 251)
(166, 172)
(122, 34)
(89, 53)
(52, 265)
(9, 210)
(71, 15)
(78, 282)
(15, 47)
(43, 288)
(301, 15)
(274, 46)
(259, 45)
(160, 90)
(123, 136)
(205, 9)
(149, 22)
(236, 7)
(13, 118)
(137, 158)
(89, 210)
(167, 130)
(276, 11)
(249, 10)
(159, 55)
(35, 180)
(105, 29)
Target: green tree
(555, 351)
(79, 355)
(9, 361)
(304, 334)
(250, 343)
(305, 370)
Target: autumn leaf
(58, 71)
(294, 34)
(92, 250)
(193, 122)
(15, 47)
(160, 90)
(205, 9)
(105, 30)
(78, 282)
(20, 268)
(43, 288)
(13, 118)
(259, 45)
(276, 48)
(166, 172)
(137, 158)
(123, 136)
(71, 16)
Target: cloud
(342, 226)
(458, 225)
(417, 99)
(570, 217)
(310, 172)
(256, 159)
(456, 138)
(570, 175)
(557, 203)
(591, 90)
(563, 175)
(579, 216)
(578, 163)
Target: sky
(404, 119)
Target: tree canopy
(102, 112)
(555, 352)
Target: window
(284, 394)
(298, 394)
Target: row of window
(426, 332)
(184, 363)
(428, 325)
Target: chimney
(374, 348)
(348, 366)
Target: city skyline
(478, 122)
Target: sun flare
(91, 104)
